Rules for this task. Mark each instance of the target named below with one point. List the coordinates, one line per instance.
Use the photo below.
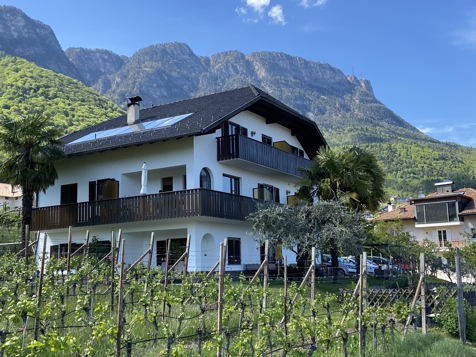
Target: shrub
(448, 319)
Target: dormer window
(439, 212)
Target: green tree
(351, 175)
(31, 149)
(301, 227)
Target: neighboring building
(10, 197)
(440, 217)
(209, 161)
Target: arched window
(205, 179)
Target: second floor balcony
(168, 205)
(239, 150)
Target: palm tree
(351, 175)
(30, 148)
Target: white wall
(122, 164)
(258, 124)
(249, 180)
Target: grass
(431, 345)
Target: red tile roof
(402, 212)
(409, 210)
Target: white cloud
(466, 38)
(277, 15)
(312, 3)
(426, 130)
(258, 5)
(241, 11)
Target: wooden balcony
(238, 148)
(168, 205)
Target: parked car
(371, 266)
(385, 264)
(346, 268)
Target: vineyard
(103, 309)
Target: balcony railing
(244, 148)
(167, 205)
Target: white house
(209, 161)
(441, 217)
(10, 197)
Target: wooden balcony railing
(244, 148)
(167, 205)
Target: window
(231, 184)
(99, 248)
(104, 189)
(205, 179)
(442, 239)
(233, 247)
(266, 139)
(177, 248)
(69, 193)
(436, 212)
(184, 182)
(61, 250)
(266, 192)
(167, 184)
(232, 129)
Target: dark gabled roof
(207, 114)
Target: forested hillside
(414, 166)
(26, 88)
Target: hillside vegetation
(26, 88)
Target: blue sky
(420, 55)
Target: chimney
(390, 207)
(445, 186)
(402, 210)
(133, 109)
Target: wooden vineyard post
(27, 241)
(113, 268)
(86, 245)
(118, 244)
(285, 318)
(459, 282)
(415, 298)
(68, 256)
(37, 241)
(362, 301)
(423, 294)
(40, 290)
(265, 273)
(151, 249)
(166, 279)
(185, 259)
(313, 281)
(221, 278)
(120, 311)
(360, 306)
(364, 280)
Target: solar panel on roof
(150, 125)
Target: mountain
(344, 106)
(93, 64)
(26, 88)
(31, 39)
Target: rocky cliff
(24, 37)
(93, 64)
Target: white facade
(182, 159)
(10, 197)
